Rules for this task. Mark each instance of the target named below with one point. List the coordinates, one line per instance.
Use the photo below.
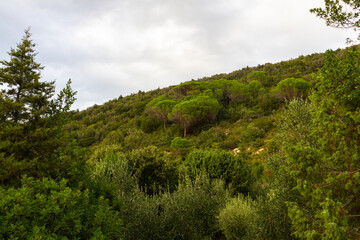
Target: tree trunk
(184, 132)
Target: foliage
(219, 164)
(160, 107)
(327, 170)
(153, 169)
(188, 213)
(31, 120)
(45, 209)
(191, 111)
(260, 76)
(291, 88)
(238, 219)
(135, 167)
(340, 13)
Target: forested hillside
(265, 152)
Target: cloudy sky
(118, 47)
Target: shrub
(153, 169)
(188, 213)
(219, 164)
(238, 219)
(191, 211)
(45, 209)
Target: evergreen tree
(31, 120)
(327, 168)
(160, 107)
(191, 111)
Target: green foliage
(192, 210)
(180, 146)
(111, 176)
(260, 76)
(31, 121)
(149, 125)
(191, 111)
(212, 138)
(327, 169)
(45, 209)
(219, 164)
(179, 142)
(291, 88)
(273, 220)
(160, 107)
(238, 219)
(153, 169)
(293, 126)
(239, 93)
(251, 133)
(340, 13)
(188, 213)
(295, 122)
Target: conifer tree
(327, 168)
(30, 124)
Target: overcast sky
(118, 47)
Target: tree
(218, 164)
(259, 76)
(191, 111)
(326, 161)
(239, 93)
(31, 120)
(160, 107)
(290, 88)
(337, 13)
(340, 13)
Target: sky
(117, 47)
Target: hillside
(268, 152)
(127, 122)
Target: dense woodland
(265, 152)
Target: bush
(188, 213)
(45, 209)
(238, 219)
(111, 177)
(153, 169)
(180, 145)
(251, 133)
(219, 164)
(191, 211)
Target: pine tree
(31, 119)
(327, 168)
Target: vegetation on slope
(269, 152)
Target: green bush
(190, 212)
(251, 133)
(219, 164)
(179, 142)
(238, 219)
(45, 209)
(291, 88)
(180, 146)
(154, 170)
(112, 178)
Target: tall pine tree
(31, 119)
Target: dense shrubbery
(223, 165)
(45, 209)
(238, 220)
